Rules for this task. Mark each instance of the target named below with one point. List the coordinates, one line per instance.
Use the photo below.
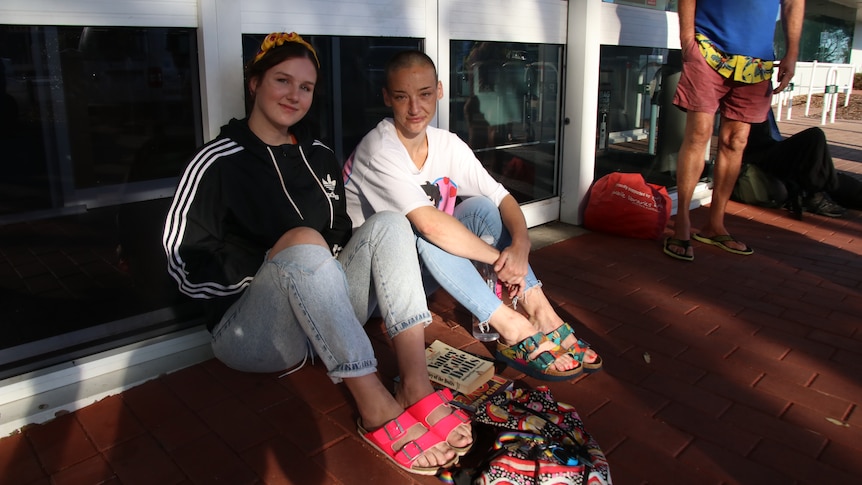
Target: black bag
(756, 187)
(849, 192)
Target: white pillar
(221, 69)
(581, 106)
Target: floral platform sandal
(423, 409)
(578, 350)
(518, 357)
(391, 440)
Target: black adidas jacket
(237, 197)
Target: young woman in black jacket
(259, 229)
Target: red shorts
(702, 89)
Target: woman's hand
(511, 268)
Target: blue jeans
(304, 297)
(457, 275)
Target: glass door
(504, 101)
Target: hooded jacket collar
(239, 131)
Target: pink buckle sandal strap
(387, 437)
(423, 408)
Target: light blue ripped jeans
(457, 275)
(304, 296)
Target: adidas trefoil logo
(329, 185)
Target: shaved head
(405, 59)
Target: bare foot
(546, 320)
(514, 328)
(571, 342)
(710, 232)
(563, 361)
(680, 250)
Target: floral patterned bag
(541, 441)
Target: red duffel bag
(626, 205)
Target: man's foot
(679, 249)
(821, 203)
(726, 242)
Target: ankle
(409, 393)
(511, 325)
(374, 418)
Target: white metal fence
(817, 78)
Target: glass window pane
(505, 103)
(348, 95)
(827, 34)
(638, 128)
(97, 123)
(668, 5)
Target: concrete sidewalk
(844, 136)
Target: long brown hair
(273, 56)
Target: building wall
(437, 22)
(593, 23)
(856, 53)
(132, 13)
(583, 26)
(221, 23)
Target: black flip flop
(720, 242)
(683, 243)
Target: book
(457, 369)
(497, 384)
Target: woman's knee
(389, 219)
(481, 216)
(479, 204)
(390, 228)
(295, 237)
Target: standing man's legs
(698, 93)
(732, 138)
(701, 92)
(690, 164)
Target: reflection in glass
(638, 129)
(347, 99)
(667, 5)
(505, 103)
(97, 123)
(827, 34)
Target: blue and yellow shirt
(736, 37)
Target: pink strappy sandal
(391, 440)
(444, 426)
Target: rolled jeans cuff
(353, 369)
(423, 318)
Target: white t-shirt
(381, 176)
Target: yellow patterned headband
(276, 39)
